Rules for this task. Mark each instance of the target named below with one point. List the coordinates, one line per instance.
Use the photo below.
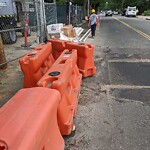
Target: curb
(144, 17)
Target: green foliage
(109, 4)
(57, 1)
(147, 13)
(60, 1)
(78, 2)
(142, 5)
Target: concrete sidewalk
(144, 17)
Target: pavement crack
(123, 100)
(109, 87)
(133, 60)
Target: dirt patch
(11, 79)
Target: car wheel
(9, 37)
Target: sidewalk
(144, 17)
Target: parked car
(108, 13)
(131, 11)
(115, 12)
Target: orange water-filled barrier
(85, 52)
(85, 60)
(28, 121)
(64, 76)
(58, 46)
(36, 63)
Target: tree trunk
(122, 4)
(2, 55)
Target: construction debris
(64, 32)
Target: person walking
(93, 22)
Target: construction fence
(33, 17)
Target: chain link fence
(35, 16)
(50, 14)
(75, 15)
(69, 14)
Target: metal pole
(69, 13)
(56, 12)
(88, 8)
(43, 21)
(38, 21)
(76, 15)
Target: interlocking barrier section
(64, 76)
(85, 54)
(35, 64)
(29, 121)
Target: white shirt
(93, 19)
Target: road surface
(114, 105)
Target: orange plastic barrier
(58, 46)
(85, 53)
(36, 63)
(64, 76)
(85, 60)
(28, 121)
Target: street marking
(129, 60)
(108, 87)
(128, 100)
(136, 30)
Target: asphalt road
(114, 105)
(119, 33)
